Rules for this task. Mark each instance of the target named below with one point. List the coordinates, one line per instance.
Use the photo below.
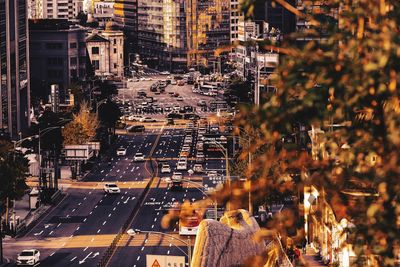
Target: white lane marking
(155, 219)
(58, 225)
(98, 231)
(91, 212)
(77, 228)
(84, 198)
(104, 222)
(73, 210)
(52, 254)
(152, 226)
(80, 203)
(142, 248)
(85, 248)
(84, 220)
(73, 258)
(63, 244)
(138, 258)
(92, 239)
(36, 234)
(109, 215)
(50, 232)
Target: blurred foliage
(347, 73)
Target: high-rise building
(125, 15)
(58, 55)
(14, 71)
(54, 9)
(276, 15)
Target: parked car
(138, 157)
(177, 176)
(111, 188)
(198, 168)
(135, 129)
(121, 151)
(181, 165)
(28, 257)
(165, 168)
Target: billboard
(164, 261)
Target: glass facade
(14, 73)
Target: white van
(181, 165)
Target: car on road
(173, 82)
(147, 119)
(121, 151)
(202, 103)
(181, 165)
(167, 109)
(111, 188)
(138, 157)
(165, 73)
(200, 157)
(200, 146)
(165, 168)
(28, 257)
(198, 168)
(184, 154)
(179, 98)
(135, 129)
(177, 176)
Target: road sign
(165, 261)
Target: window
(115, 41)
(54, 61)
(115, 65)
(115, 50)
(73, 45)
(96, 64)
(74, 60)
(95, 50)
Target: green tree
(13, 172)
(109, 113)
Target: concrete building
(54, 9)
(125, 15)
(58, 55)
(105, 50)
(14, 70)
(103, 12)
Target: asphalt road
(80, 228)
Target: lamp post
(133, 232)
(98, 104)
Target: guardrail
(112, 248)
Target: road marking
(71, 236)
(84, 198)
(80, 203)
(58, 225)
(63, 244)
(91, 212)
(152, 226)
(142, 250)
(114, 208)
(84, 220)
(155, 219)
(50, 232)
(85, 248)
(92, 239)
(36, 234)
(73, 258)
(98, 231)
(52, 254)
(138, 258)
(109, 215)
(104, 222)
(77, 228)
(73, 210)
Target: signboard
(78, 152)
(165, 261)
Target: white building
(106, 51)
(54, 9)
(103, 12)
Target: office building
(125, 15)
(103, 12)
(58, 55)
(14, 71)
(105, 50)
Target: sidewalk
(311, 258)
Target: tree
(83, 127)
(347, 73)
(109, 114)
(13, 172)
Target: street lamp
(133, 232)
(98, 104)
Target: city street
(83, 225)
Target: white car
(173, 82)
(121, 151)
(179, 98)
(177, 176)
(147, 119)
(198, 168)
(165, 168)
(111, 188)
(28, 257)
(181, 165)
(138, 157)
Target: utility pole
(257, 80)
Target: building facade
(14, 71)
(58, 55)
(125, 15)
(54, 9)
(105, 50)
(103, 12)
